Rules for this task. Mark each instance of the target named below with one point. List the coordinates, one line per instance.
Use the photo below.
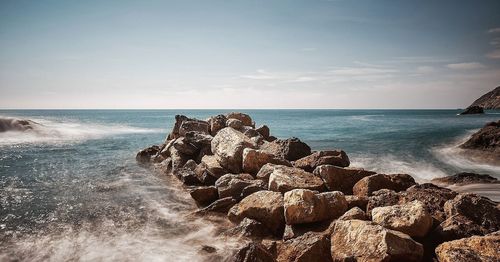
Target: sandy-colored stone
(228, 145)
(253, 160)
(341, 179)
(283, 179)
(306, 206)
(411, 218)
(472, 249)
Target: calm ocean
(74, 191)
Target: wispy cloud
(495, 54)
(494, 30)
(260, 74)
(425, 69)
(466, 66)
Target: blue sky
(247, 54)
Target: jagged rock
(252, 252)
(397, 182)
(144, 156)
(340, 179)
(432, 196)
(185, 147)
(230, 185)
(331, 157)
(198, 139)
(473, 110)
(356, 201)
(310, 247)
(296, 230)
(212, 166)
(306, 206)
(290, 149)
(234, 123)
(264, 131)
(14, 124)
(354, 213)
(253, 160)
(204, 195)
(249, 228)
(244, 118)
(466, 179)
(178, 122)
(284, 179)
(221, 205)
(357, 240)
(263, 206)
(191, 165)
(411, 218)
(381, 198)
(228, 147)
(193, 125)
(266, 171)
(490, 100)
(487, 139)
(217, 123)
(480, 210)
(187, 176)
(476, 248)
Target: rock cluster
(288, 203)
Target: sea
(72, 190)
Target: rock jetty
(289, 203)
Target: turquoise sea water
(73, 189)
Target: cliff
(490, 100)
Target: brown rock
(284, 179)
(216, 123)
(244, 118)
(264, 131)
(370, 184)
(306, 206)
(473, 110)
(252, 252)
(411, 218)
(204, 195)
(381, 198)
(212, 166)
(253, 160)
(144, 156)
(234, 123)
(193, 125)
(332, 157)
(476, 248)
(356, 201)
(354, 213)
(290, 149)
(357, 240)
(263, 206)
(249, 228)
(310, 247)
(432, 196)
(230, 185)
(221, 205)
(466, 179)
(341, 179)
(228, 147)
(185, 147)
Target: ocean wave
(390, 164)
(45, 131)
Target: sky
(340, 54)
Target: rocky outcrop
(144, 156)
(341, 179)
(333, 157)
(228, 145)
(306, 206)
(357, 240)
(490, 100)
(476, 248)
(309, 247)
(486, 139)
(204, 195)
(466, 179)
(263, 206)
(290, 149)
(370, 184)
(283, 179)
(253, 160)
(13, 124)
(472, 110)
(411, 218)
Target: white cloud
(425, 69)
(261, 74)
(495, 54)
(466, 66)
(494, 30)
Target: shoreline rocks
(288, 203)
(473, 110)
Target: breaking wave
(45, 131)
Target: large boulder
(193, 125)
(331, 157)
(357, 240)
(263, 206)
(264, 131)
(356, 201)
(249, 228)
(220, 206)
(411, 218)
(204, 195)
(216, 123)
(354, 213)
(235, 123)
(252, 252)
(185, 147)
(228, 147)
(432, 196)
(290, 149)
(341, 179)
(382, 198)
(253, 160)
(487, 139)
(244, 118)
(310, 247)
(476, 248)
(306, 206)
(212, 166)
(370, 184)
(230, 185)
(144, 156)
(179, 119)
(283, 179)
